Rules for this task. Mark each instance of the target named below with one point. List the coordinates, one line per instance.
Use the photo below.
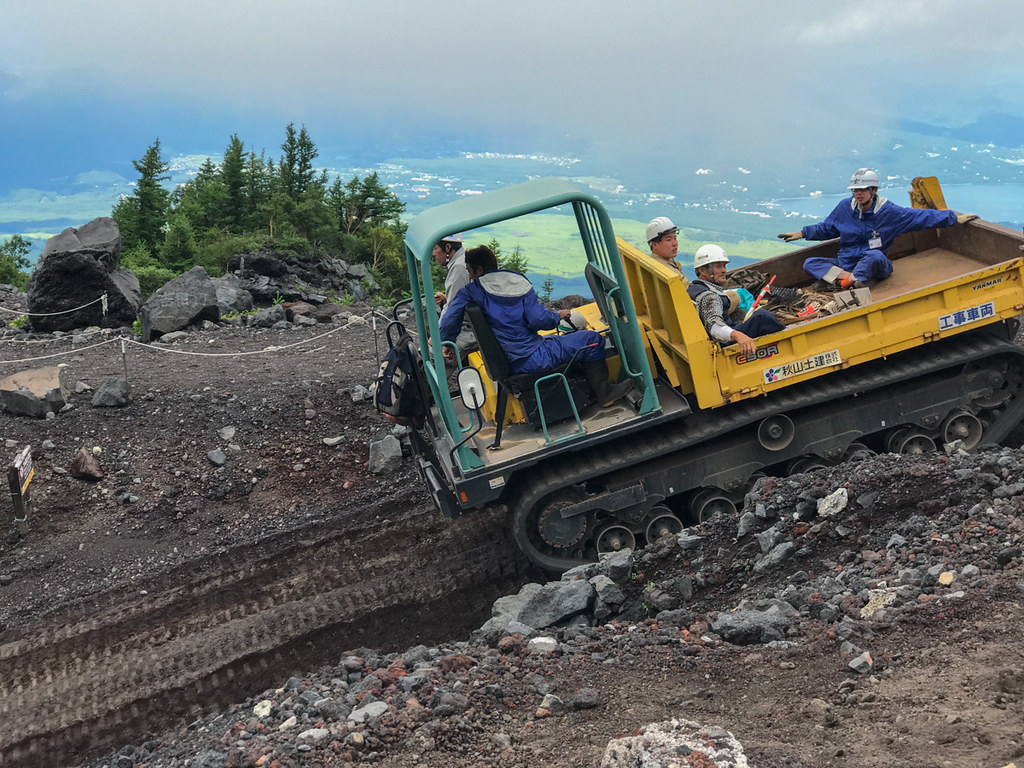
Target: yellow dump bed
(944, 282)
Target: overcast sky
(789, 77)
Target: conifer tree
(295, 168)
(204, 200)
(256, 184)
(367, 201)
(179, 250)
(142, 216)
(232, 174)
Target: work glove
(789, 237)
(963, 218)
(784, 295)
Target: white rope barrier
(102, 299)
(264, 351)
(75, 351)
(156, 348)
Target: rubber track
(89, 686)
(660, 441)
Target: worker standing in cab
(451, 254)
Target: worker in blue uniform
(866, 225)
(515, 315)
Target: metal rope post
(124, 360)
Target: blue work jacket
(513, 311)
(856, 228)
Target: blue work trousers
(554, 350)
(761, 323)
(864, 265)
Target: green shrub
(215, 253)
(14, 263)
(152, 278)
(294, 245)
(147, 269)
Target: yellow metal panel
(514, 412)
(718, 375)
(672, 326)
(876, 330)
(926, 192)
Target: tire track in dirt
(75, 687)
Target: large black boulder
(77, 267)
(186, 300)
(231, 295)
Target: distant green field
(551, 242)
(28, 205)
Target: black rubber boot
(605, 393)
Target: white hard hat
(574, 322)
(660, 226)
(709, 254)
(456, 238)
(863, 178)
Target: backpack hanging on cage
(397, 393)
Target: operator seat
(554, 394)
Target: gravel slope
(935, 540)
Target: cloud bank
(671, 83)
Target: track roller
(711, 501)
(805, 465)
(858, 452)
(776, 432)
(962, 425)
(662, 523)
(914, 442)
(614, 538)
(896, 438)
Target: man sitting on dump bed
(663, 242)
(866, 225)
(714, 304)
(515, 314)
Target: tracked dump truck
(927, 359)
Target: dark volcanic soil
(145, 617)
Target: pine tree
(515, 261)
(368, 202)
(204, 200)
(545, 290)
(178, 251)
(256, 184)
(232, 174)
(150, 199)
(295, 169)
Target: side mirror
(471, 388)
